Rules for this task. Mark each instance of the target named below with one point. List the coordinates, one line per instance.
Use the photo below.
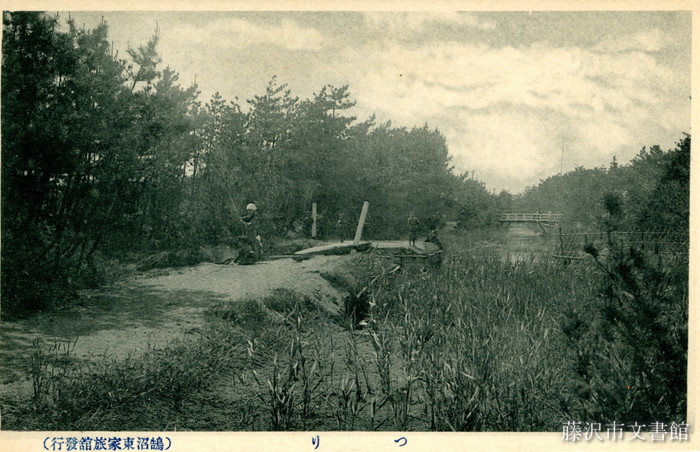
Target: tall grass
(480, 344)
(489, 344)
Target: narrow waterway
(525, 242)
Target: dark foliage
(103, 155)
(652, 192)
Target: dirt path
(149, 312)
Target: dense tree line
(651, 192)
(103, 155)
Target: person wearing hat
(250, 212)
(250, 239)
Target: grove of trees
(103, 155)
(107, 160)
(652, 192)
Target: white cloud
(238, 33)
(507, 110)
(609, 99)
(507, 141)
(570, 81)
(404, 24)
(647, 41)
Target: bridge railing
(536, 217)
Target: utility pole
(561, 163)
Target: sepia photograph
(398, 220)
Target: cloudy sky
(509, 90)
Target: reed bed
(481, 343)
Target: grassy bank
(481, 343)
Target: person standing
(340, 227)
(249, 239)
(413, 226)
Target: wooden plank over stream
(333, 248)
(400, 246)
(394, 246)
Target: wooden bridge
(531, 217)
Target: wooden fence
(571, 245)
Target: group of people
(414, 227)
(250, 243)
